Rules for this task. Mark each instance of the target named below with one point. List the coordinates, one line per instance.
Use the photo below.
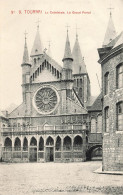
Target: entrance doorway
(49, 154)
(33, 154)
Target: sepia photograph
(61, 97)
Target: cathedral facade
(53, 123)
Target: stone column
(37, 146)
(28, 148)
(21, 146)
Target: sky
(16, 17)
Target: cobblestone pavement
(57, 179)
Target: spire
(78, 61)
(49, 50)
(25, 54)
(110, 32)
(67, 52)
(37, 46)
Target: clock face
(46, 100)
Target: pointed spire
(67, 52)
(110, 32)
(49, 50)
(37, 46)
(78, 61)
(25, 54)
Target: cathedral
(58, 119)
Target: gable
(45, 76)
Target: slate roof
(110, 32)
(97, 105)
(37, 48)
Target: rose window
(46, 100)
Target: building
(53, 123)
(3, 123)
(111, 60)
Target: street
(57, 178)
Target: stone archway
(33, 150)
(49, 149)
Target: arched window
(93, 125)
(77, 144)
(52, 70)
(8, 144)
(119, 76)
(17, 144)
(33, 142)
(99, 124)
(50, 141)
(33, 76)
(81, 82)
(41, 144)
(106, 83)
(58, 143)
(25, 144)
(77, 82)
(119, 107)
(57, 74)
(34, 60)
(106, 110)
(67, 143)
(38, 71)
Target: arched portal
(17, 144)
(94, 153)
(25, 144)
(67, 143)
(49, 149)
(41, 144)
(8, 144)
(33, 150)
(58, 143)
(77, 144)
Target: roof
(67, 52)
(18, 112)
(110, 32)
(78, 61)
(37, 48)
(25, 54)
(50, 60)
(97, 105)
(2, 115)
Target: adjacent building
(111, 60)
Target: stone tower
(80, 75)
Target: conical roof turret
(110, 32)
(78, 61)
(67, 52)
(25, 54)
(37, 48)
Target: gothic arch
(7, 142)
(41, 144)
(67, 143)
(17, 144)
(78, 140)
(33, 141)
(58, 143)
(50, 141)
(25, 144)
